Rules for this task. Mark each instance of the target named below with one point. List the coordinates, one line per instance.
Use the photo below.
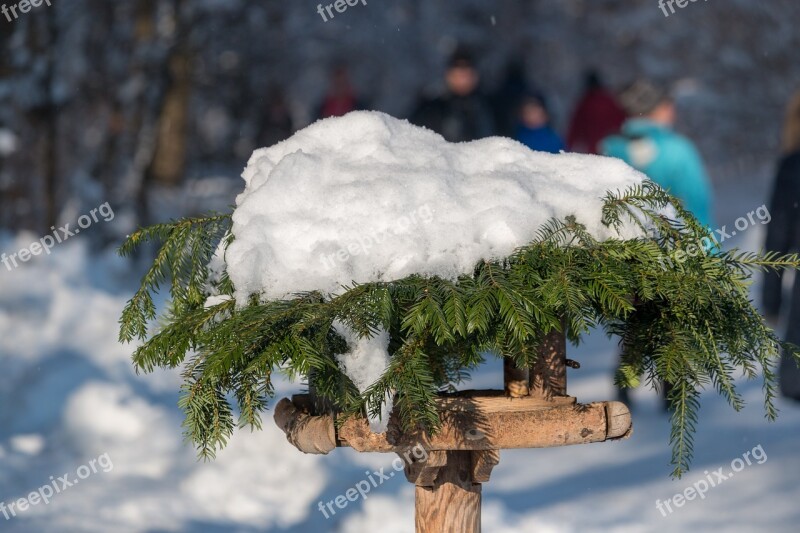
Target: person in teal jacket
(649, 143)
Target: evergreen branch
(186, 245)
(688, 323)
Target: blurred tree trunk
(43, 115)
(50, 119)
(8, 190)
(167, 133)
(104, 168)
(139, 120)
(159, 113)
(26, 46)
(169, 161)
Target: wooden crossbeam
(477, 427)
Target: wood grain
(453, 504)
(548, 377)
(515, 379)
(499, 427)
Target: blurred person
(276, 122)
(533, 128)
(505, 101)
(462, 113)
(649, 143)
(783, 236)
(341, 97)
(596, 116)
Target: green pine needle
(683, 318)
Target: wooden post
(453, 503)
(533, 411)
(515, 379)
(548, 377)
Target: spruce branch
(688, 323)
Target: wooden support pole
(453, 503)
(548, 377)
(423, 472)
(515, 379)
(483, 462)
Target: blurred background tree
(153, 104)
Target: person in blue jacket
(649, 143)
(534, 130)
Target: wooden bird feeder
(534, 411)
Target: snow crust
(368, 197)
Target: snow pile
(364, 363)
(48, 305)
(368, 197)
(103, 417)
(69, 394)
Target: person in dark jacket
(462, 113)
(783, 236)
(534, 130)
(341, 98)
(276, 122)
(597, 116)
(507, 98)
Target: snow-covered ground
(68, 397)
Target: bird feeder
(533, 411)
